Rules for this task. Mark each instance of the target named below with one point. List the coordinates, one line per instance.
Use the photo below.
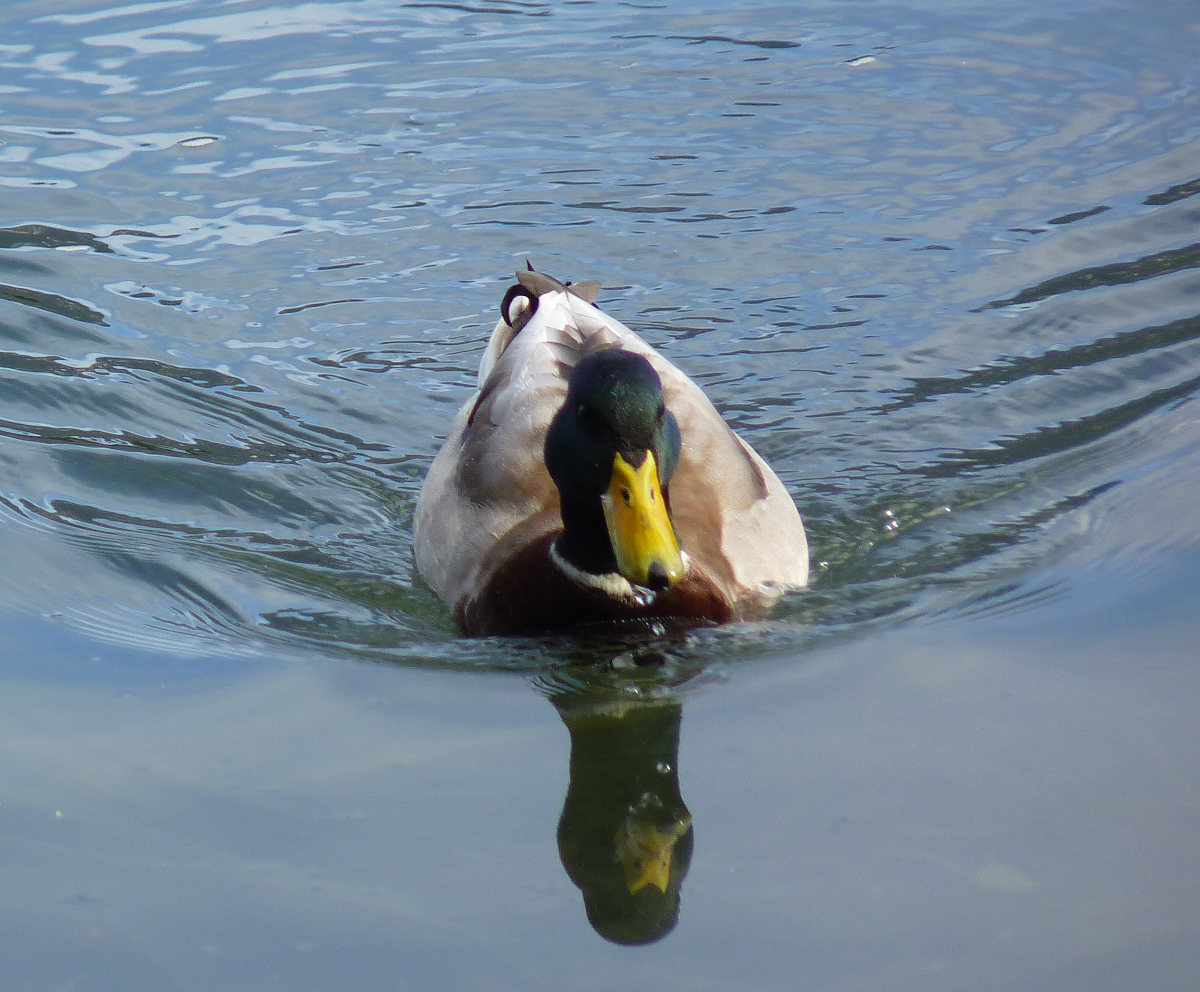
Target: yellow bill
(646, 852)
(638, 526)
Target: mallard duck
(588, 479)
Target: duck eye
(585, 417)
(661, 413)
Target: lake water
(939, 263)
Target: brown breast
(529, 594)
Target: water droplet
(662, 768)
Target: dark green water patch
(48, 236)
(1006, 371)
(52, 303)
(1179, 192)
(1117, 274)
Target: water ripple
(301, 220)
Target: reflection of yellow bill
(646, 852)
(638, 525)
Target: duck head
(611, 450)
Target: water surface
(940, 264)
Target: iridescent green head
(611, 451)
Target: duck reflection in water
(625, 835)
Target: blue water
(939, 264)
